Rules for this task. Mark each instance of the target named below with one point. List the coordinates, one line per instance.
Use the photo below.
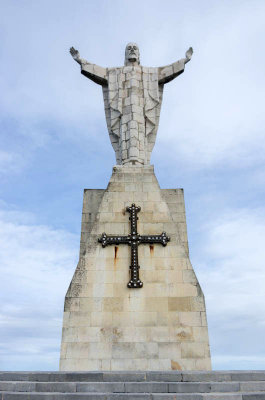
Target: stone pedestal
(108, 326)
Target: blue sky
(54, 143)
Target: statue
(132, 99)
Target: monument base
(108, 326)
(207, 385)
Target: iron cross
(133, 240)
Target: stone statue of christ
(132, 100)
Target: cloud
(230, 267)
(211, 114)
(36, 265)
(54, 138)
(10, 162)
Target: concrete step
(156, 376)
(132, 387)
(130, 396)
(207, 385)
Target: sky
(54, 143)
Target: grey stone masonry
(110, 327)
(160, 385)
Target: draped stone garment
(132, 101)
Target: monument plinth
(134, 302)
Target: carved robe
(132, 101)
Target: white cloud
(231, 271)
(214, 112)
(226, 362)
(36, 265)
(234, 243)
(10, 162)
(211, 114)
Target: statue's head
(132, 54)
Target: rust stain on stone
(175, 366)
(151, 249)
(115, 256)
(183, 335)
(117, 334)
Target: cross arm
(154, 239)
(107, 240)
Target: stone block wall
(161, 326)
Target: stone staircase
(190, 385)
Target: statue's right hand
(189, 53)
(74, 53)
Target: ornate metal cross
(133, 240)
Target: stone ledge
(246, 376)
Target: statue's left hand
(75, 54)
(189, 54)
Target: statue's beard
(132, 58)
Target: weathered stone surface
(206, 376)
(248, 376)
(225, 387)
(130, 396)
(124, 376)
(189, 387)
(146, 387)
(164, 376)
(110, 327)
(166, 385)
(182, 396)
(222, 396)
(252, 386)
(61, 387)
(101, 387)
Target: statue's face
(132, 53)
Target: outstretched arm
(170, 72)
(92, 71)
